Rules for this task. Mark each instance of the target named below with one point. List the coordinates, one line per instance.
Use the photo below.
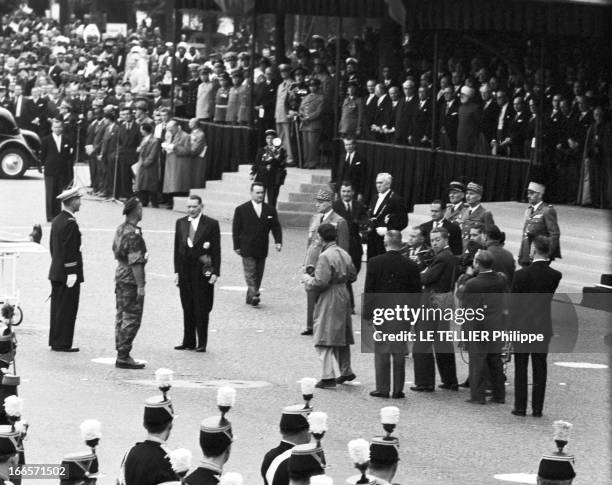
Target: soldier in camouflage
(131, 255)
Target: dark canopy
(585, 18)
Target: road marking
(212, 384)
(529, 478)
(581, 365)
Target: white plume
(389, 415)
(180, 459)
(359, 450)
(226, 396)
(13, 406)
(21, 426)
(308, 384)
(232, 478)
(562, 430)
(91, 429)
(317, 422)
(321, 480)
(163, 377)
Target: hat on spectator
(193, 66)
(536, 187)
(284, 67)
(324, 195)
(299, 70)
(270, 133)
(230, 55)
(204, 69)
(169, 44)
(351, 60)
(456, 187)
(182, 45)
(474, 187)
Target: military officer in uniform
(456, 197)
(295, 431)
(310, 114)
(131, 254)
(147, 462)
(474, 212)
(384, 460)
(540, 220)
(66, 272)
(305, 461)
(216, 443)
(269, 167)
(325, 215)
(9, 452)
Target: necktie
(470, 212)
(321, 220)
(191, 232)
(348, 207)
(531, 210)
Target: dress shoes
(128, 363)
(384, 395)
(465, 384)
(183, 347)
(343, 379)
(65, 349)
(326, 384)
(449, 387)
(398, 395)
(200, 349)
(255, 301)
(423, 388)
(537, 414)
(308, 331)
(516, 412)
(477, 401)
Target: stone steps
(295, 201)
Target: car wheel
(13, 163)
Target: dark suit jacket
(422, 123)
(354, 219)
(65, 247)
(532, 290)
(449, 121)
(393, 206)
(454, 235)
(440, 276)
(265, 95)
(207, 232)
(517, 131)
(490, 114)
(405, 119)
(369, 112)
(57, 164)
(503, 260)
(392, 273)
(354, 173)
(382, 113)
(132, 140)
(251, 233)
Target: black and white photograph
(305, 242)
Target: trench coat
(177, 177)
(332, 312)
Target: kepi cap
(384, 450)
(305, 461)
(294, 418)
(536, 187)
(474, 187)
(456, 187)
(68, 194)
(324, 195)
(158, 411)
(216, 433)
(556, 466)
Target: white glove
(71, 280)
(381, 231)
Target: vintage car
(19, 149)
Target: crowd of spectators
(484, 104)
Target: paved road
(443, 439)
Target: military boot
(126, 362)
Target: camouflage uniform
(129, 249)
